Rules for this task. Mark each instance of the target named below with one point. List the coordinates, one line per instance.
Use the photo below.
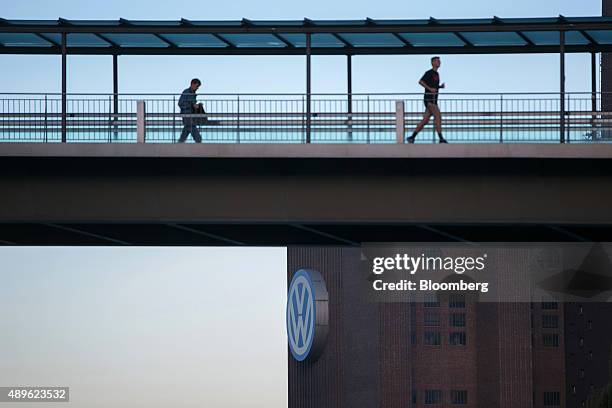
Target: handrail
(367, 118)
(299, 94)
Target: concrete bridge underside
(99, 194)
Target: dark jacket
(187, 100)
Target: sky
(238, 74)
(146, 327)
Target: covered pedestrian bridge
(63, 115)
(304, 169)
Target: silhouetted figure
(188, 105)
(431, 82)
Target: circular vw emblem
(307, 315)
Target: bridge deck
(287, 151)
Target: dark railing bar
(416, 94)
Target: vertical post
(64, 102)
(562, 87)
(238, 119)
(349, 93)
(115, 94)
(400, 126)
(593, 81)
(140, 121)
(46, 109)
(173, 118)
(501, 118)
(368, 120)
(308, 88)
(110, 118)
(568, 120)
(593, 93)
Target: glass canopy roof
(489, 35)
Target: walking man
(187, 103)
(431, 82)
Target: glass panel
(601, 36)
(254, 40)
(339, 22)
(135, 40)
(466, 21)
(552, 37)
(494, 38)
(296, 23)
(23, 40)
(433, 39)
(401, 22)
(34, 22)
(318, 40)
(589, 19)
(372, 40)
(216, 23)
(78, 40)
(528, 20)
(173, 23)
(194, 40)
(94, 22)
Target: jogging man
(431, 82)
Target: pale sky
(146, 327)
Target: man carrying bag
(188, 105)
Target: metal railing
(284, 118)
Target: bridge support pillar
(140, 121)
(400, 124)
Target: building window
(432, 338)
(581, 373)
(459, 397)
(456, 301)
(580, 310)
(550, 340)
(549, 305)
(550, 321)
(581, 342)
(457, 320)
(433, 397)
(552, 399)
(457, 339)
(590, 325)
(431, 300)
(432, 319)
(413, 338)
(414, 396)
(573, 389)
(591, 355)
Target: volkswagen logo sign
(307, 315)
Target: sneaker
(442, 140)
(410, 139)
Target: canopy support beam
(64, 102)
(308, 86)
(562, 86)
